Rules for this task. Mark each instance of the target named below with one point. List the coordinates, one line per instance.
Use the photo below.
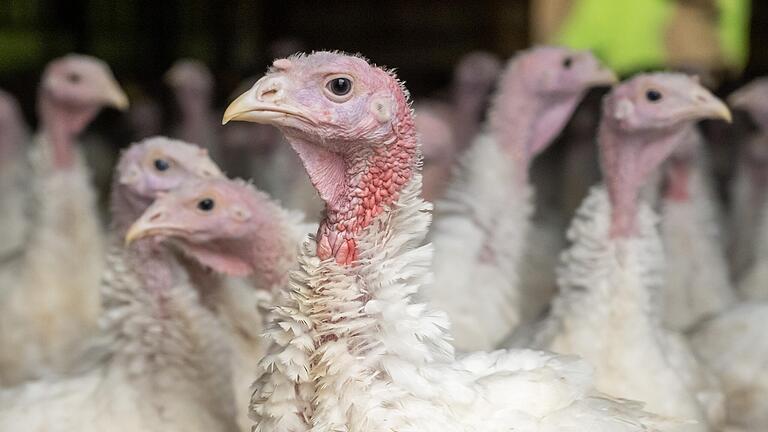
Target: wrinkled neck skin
(525, 124)
(627, 160)
(357, 187)
(60, 126)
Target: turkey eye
(161, 165)
(567, 62)
(73, 78)
(340, 86)
(206, 204)
(653, 95)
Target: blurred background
(140, 39)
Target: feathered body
(479, 236)
(165, 366)
(733, 346)
(609, 309)
(610, 294)
(482, 233)
(49, 291)
(697, 278)
(351, 350)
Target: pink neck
(627, 160)
(358, 188)
(155, 265)
(525, 124)
(678, 178)
(60, 127)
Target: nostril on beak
(268, 95)
(701, 97)
(156, 217)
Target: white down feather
(487, 248)
(608, 312)
(697, 279)
(734, 346)
(49, 291)
(164, 367)
(352, 352)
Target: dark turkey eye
(340, 86)
(73, 78)
(161, 165)
(206, 204)
(653, 95)
(567, 62)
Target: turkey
(14, 178)
(697, 279)
(610, 278)
(749, 226)
(267, 255)
(484, 223)
(46, 309)
(351, 350)
(164, 359)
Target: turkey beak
(114, 95)
(266, 102)
(603, 77)
(711, 107)
(154, 222)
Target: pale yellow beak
(264, 103)
(152, 223)
(115, 97)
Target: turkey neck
(196, 122)
(61, 125)
(525, 123)
(627, 160)
(357, 187)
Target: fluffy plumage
(482, 233)
(611, 276)
(697, 279)
(47, 310)
(351, 349)
(733, 346)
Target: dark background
(140, 39)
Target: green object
(629, 34)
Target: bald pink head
(644, 120)
(224, 224)
(13, 130)
(537, 93)
(153, 166)
(192, 84)
(351, 124)
(753, 98)
(72, 91)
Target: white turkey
(351, 350)
(608, 308)
(487, 246)
(49, 291)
